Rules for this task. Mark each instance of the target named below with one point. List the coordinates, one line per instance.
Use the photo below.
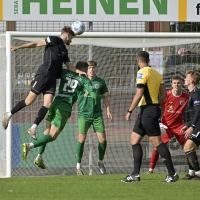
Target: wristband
(129, 111)
(193, 126)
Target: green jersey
(88, 107)
(70, 85)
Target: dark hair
(176, 77)
(81, 64)
(67, 29)
(143, 56)
(182, 46)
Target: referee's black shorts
(43, 83)
(147, 122)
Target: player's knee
(82, 138)
(102, 140)
(54, 137)
(28, 102)
(187, 148)
(48, 105)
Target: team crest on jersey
(182, 102)
(96, 86)
(139, 76)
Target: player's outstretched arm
(29, 45)
(73, 69)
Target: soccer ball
(78, 27)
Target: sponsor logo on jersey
(139, 76)
(85, 93)
(182, 102)
(197, 102)
(170, 108)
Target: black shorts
(147, 122)
(195, 137)
(43, 83)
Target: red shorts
(170, 134)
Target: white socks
(78, 165)
(34, 126)
(191, 172)
(39, 157)
(197, 173)
(30, 146)
(9, 115)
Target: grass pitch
(99, 187)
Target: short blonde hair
(92, 63)
(195, 76)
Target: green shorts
(84, 125)
(58, 114)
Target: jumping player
(45, 79)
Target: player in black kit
(45, 79)
(192, 129)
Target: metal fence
(127, 26)
(56, 26)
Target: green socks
(42, 140)
(80, 148)
(102, 150)
(41, 149)
(79, 151)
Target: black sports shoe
(195, 177)
(173, 178)
(131, 178)
(187, 177)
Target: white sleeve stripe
(48, 40)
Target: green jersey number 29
(71, 85)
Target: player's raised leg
(20, 105)
(48, 98)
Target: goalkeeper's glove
(162, 126)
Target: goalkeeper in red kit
(172, 120)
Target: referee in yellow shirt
(150, 94)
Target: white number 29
(71, 85)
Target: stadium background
(118, 67)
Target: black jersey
(194, 106)
(54, 56)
